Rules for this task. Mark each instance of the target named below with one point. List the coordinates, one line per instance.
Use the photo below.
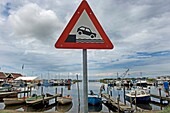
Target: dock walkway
(119, 105)
(46, 99)
(160, 97)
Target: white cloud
(32, 21)
(29, 33)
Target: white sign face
(84, 31)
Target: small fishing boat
(5, 89)
(36, 100)
(141, 96)
(8, 95)
(12, 101)
(64, 99)
(94, 99)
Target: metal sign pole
(85, 81)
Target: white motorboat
(141, 96)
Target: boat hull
(12, 101)
(8, 95)
(63, 100)
(142, 99)
(94, 100)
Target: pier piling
(62, 91)
(124, 95)
(135, 102)
(160, 95)
(118, 99)
(42, 90)
(55, 90)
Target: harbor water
(75, 106)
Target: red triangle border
(67, 45)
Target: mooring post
(118, 99)
(24, 91)
(43, 99)
(61, 91)
(160, 95)
(55, 90)
(124, 95)
(135, 102)
(111, 93)
(131, 102)
(56, 96)
(42, 90)
(107, 90)
(28, 91)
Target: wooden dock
(43, 100)
(114, 102)
(160, 97)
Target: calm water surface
(74, 106)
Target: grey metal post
(85, 81)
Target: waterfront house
(2, 77)
(8, 77)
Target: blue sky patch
(6, 9)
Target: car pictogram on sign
(86, 31)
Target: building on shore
(8, 77)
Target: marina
(112, 99)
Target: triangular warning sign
(84, 31)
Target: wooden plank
(163, 98)
(114, 102)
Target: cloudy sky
(139, 30)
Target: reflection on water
(38, 108)
(96, 108)
(13, 107)
(76, 107)
(64, 108)
(145, 106)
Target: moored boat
(141, 96)
(12, 101)
(8, 95)
(64, 99)
(64, 108)
(33, 98)
(94, 99)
